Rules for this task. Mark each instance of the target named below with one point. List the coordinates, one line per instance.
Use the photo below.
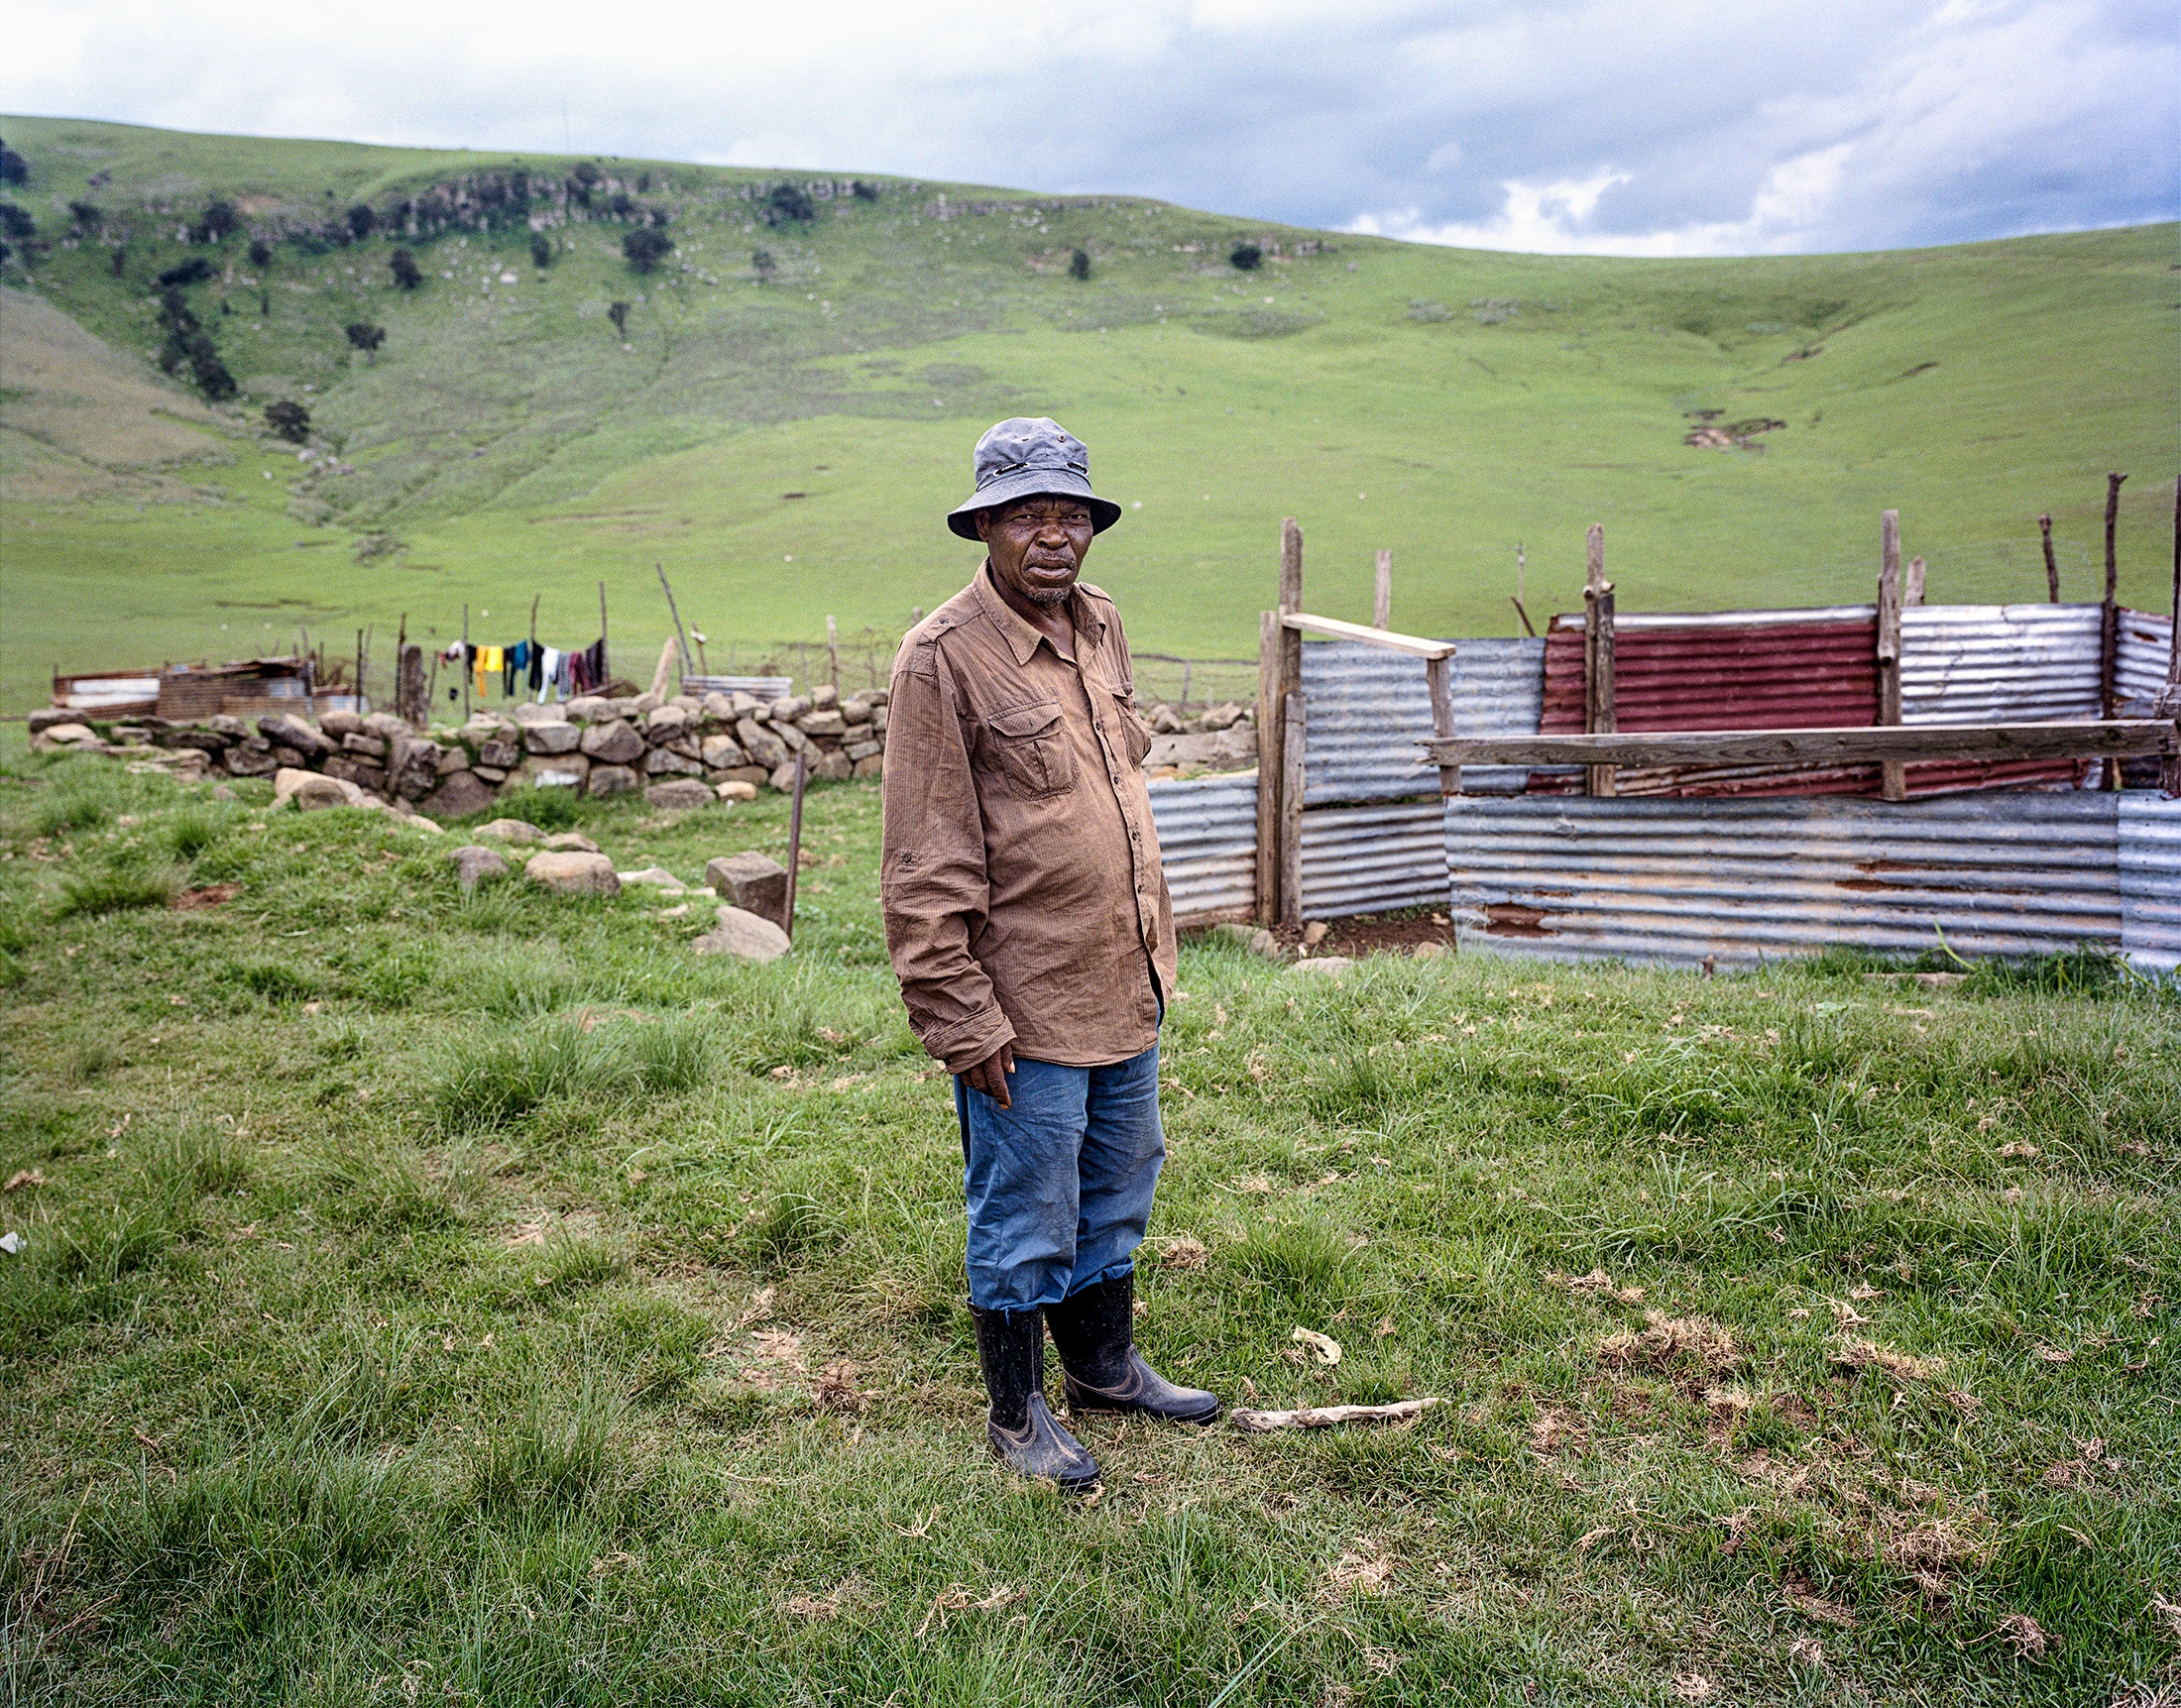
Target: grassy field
(784, 447)
(430, 1297)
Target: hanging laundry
(488, 665)
(549, 675)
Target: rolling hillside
(783, 433)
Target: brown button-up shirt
(1021, 878)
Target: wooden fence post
(1269, 713)
(1294, 730)
(1382, 591)
(2052, 565)
(1601, 715)
(2109, 625)
(1438, 677)
(1893, 774)
(833, 651)
(2169, 702)
(467, 672)
(605, 670)
(1911, 587)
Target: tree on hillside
(14, 223)
(407, 273)
(863, 191)
(541, 251)
(86, 214)
(121, 260)
(261, 253)
(196, 271)
(188, 345)
(1245, 256)
(643, 184)
(289, 420)
(646, 247)
(218, 221)
(1078, 265)
(362, 221)
(364, 336)
(788, 202)
(617, 313)
(763, 263)
(14, 169)
(582, 182)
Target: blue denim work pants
(1060, 1184)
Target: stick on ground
(1326, 1417)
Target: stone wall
(681, 751)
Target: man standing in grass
(1030, 926)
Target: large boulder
(384, 725)
(589, 708)
(526, 714)
(340, 724)
(761, 745)
(249, 758)
(459, 794)
(557, 770)
(667, 762)
(610, 780)
(680, 794)
(293, 732)
(66, 735)
(574, 874)
(667, 722)
(412, 767)
(47, 716)
(561, 738)
(822, 723)
(754, 882)
(722, 752)
(501, 754)
(834, 766)
(743, 934)
(473, 864)
(613, 744)
(362, 772)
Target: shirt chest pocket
(1028, 746)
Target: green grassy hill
(784, 441)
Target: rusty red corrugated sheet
(1789, 674)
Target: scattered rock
(1332, 966)
(511, 830)
(564, 842)
(783, 777)
(574, 874)
(224, 792)
(656, 875)
(733, 789)
(752, 882)
(744, 934)
(53, 716)
(1315, 932)
(609, 780)
(680, 794)
(473, 864)
(66, 735)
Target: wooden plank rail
(1413, 644)
(2140, 737)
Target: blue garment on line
(1059, 1185)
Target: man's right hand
(990, 1074)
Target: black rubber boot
(1094, 1331)
(1022, 1431)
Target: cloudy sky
(1650, 127)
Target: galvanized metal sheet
(2140, 663)
(1664, 880)
(1368, 708)
(762, 687)
(2151, 879)
(1999, 664)
(1373, 858)
(1208, 845)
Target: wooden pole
(1911, 587)
(466, 673)
(604, 669)
(1893, 774)
(1382, 591)
(833, 651)
(358, 689)
(1294, 727)
(2108, 623)
(1268, 767)
(2052, 565)
(676, 613)
(1438, 678)
(795, 835)
(1602, 707)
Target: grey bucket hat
(1022, 458)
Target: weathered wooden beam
(1893, 774)
(1269, 639)
(1867, 745)
(1294, 724)
(1382, 591)
(1601, 699)
(1415, 645)
(1438, 680)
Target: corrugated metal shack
(186, 692)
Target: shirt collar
(1023, 639)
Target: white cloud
(1664, 126)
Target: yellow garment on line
(488, 662)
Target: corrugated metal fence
(1663, 880)
(1208, 845)
(2151, 879)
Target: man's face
(1037, 545)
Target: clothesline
(548, 672)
